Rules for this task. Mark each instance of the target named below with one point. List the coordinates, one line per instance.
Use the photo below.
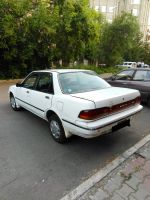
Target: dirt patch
(11, 81)
(106, 75)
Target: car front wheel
(13, 103)
(56, 129)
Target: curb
(86, 185)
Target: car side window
(142, 75)
(30, 81)
(45, 83)
(125, 75)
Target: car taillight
(102, 112)
(94, 114)
(138, 100)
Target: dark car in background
(138, 78)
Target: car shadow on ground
(104, 144)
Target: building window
(111, 9)
(103, 9)
(135, 12)
(148, 35)
(135, 1)
(110, 20)
(96, 8)
(149, 20)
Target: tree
(145, 53)
(10, 14)
(26, 37)
(95, 22)
(36, 33)
(118, 38)
(77, 27)
(135, 51)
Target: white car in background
(75, 102)
(128, 64)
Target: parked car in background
(128, 64)
(75, 102)
(133, 78)
(146, 66)
(142, 65)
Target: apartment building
(108, 7)
(139, 8)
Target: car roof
(61, 70)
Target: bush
(98, 70)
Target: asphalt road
(34, 167)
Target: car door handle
(27, 92)
(47, 97)
(124, 83)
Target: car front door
(24, 90)
(122, 79)
(41, 97)
(141, 82)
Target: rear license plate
(121, 124)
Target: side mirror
(18, 84)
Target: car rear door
(41, 97)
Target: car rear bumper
(102, 126)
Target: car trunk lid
(109, 97)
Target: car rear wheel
(56, 129)
(13, 103)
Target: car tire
(56, 129)
(13, 103)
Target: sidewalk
(130, 180)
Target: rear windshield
(77, 82)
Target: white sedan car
(75, 102)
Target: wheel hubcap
(54, 127)
(12, 102)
